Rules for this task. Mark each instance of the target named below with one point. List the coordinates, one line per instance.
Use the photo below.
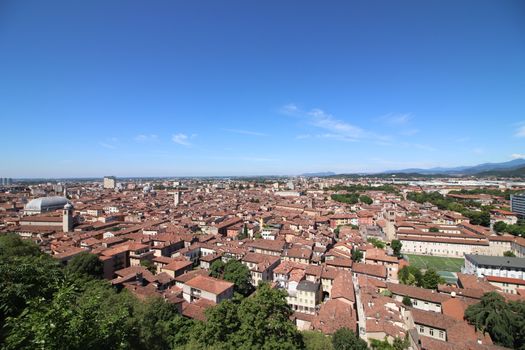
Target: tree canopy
(233, 271)
(357, 255)
(314, 340)
(515, 230)
(345, 339)
(504, 321)
(376, 242)
(396, 246)
(397, 344)
(239, 274)
(258, 322)
(477, 214)
(86, 263)
(365, 199)
(411, 275)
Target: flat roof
(499, 261)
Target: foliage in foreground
(46, 306)
(504, 321)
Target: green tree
(518, 325)
(397, 344)
(407, 301)
(345, 339)
(11, 245)
(93, 318)
(42, 307)
(217, 269)
(351, 198)
(244, 232)
(376, 242)
(222, 326)
(509, 254)
(357, 255)
(396, 246)
(431, 279)
(499, 226)
(149, 265)
(259, 322)
(365, 199)
(386, 293)
(494, 316)
(86, 263)
(336, 232)
(410, 275)
(26, 273)
(265, 321)
(479, 217)
(157, 319)
(433, 229)
(314, 340)
(239, 274)
(400, 343)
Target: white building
(110, 182)
(44, 205)
(500, 266)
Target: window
(421, 329)
(431, 332)
(441, 334)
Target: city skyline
(240, 89)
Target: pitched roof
(209, 284)
(335, 314)
(417, 293)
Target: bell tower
(67, 218)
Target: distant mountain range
(519, 172)
(320, 174)
(481, 169)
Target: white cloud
(245, 132)
(520, 132)
(409, 132)
(290, 109)
(397, 118)
(517, 156)
(109, 143)
(321, 119)
(334, 128)
(106, 145)
(146, 138)
(182, 139)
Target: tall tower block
(176, 198)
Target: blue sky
(173, 88)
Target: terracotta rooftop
(209, 284)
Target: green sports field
(436, 262)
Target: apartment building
(499, 266)
(209, 288)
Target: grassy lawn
(436, 262)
